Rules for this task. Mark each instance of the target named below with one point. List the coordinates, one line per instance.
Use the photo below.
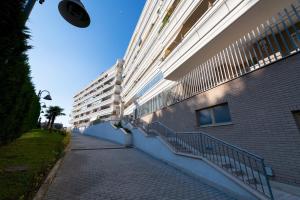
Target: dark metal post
(39, 94)
(28, 8)
(267, 179)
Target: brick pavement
(97, 169)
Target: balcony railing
(247, 167)
(96, 85)
(274, 40)
(84, 110)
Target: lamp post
(73, 11)
(40, 118)
(44, 105)
(47, 97)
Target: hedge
(19, 104)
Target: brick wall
(261, 105)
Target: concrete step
(227, 165)
(252, 181)
(238, 172)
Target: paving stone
(122, 174)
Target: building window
(295, 38)
(159, 76)
(296, 115)
(216, 115)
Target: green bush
(19, 104)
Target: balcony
(105, 102)
(96, 87)
(116, 99)
(88, 109)
(79, 119)
(198, 12)
(168, 14)
(94, 115)
(118, 80)
(118, 89)
(100, 113)
(150, 55)
(264, 45)
(219, 26)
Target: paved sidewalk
(96, 169)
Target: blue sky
(64, 59)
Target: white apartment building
(100, 100)
(229, 68)
(173, 37)
(226, 68)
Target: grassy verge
(25, 163)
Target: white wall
(160, 150)
(196, 167)
(106, 131)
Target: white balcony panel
(118, 89)
(110, 92)
(97, 114)
(108, 101)
(94, 100)
(129, 110)
(106, 111)
(116, 99)
(223, 24)
(154, 91)
(158, 41)
(118, 79)
(109, 76)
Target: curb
(44, 187)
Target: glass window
(214, 115)
(221, 113)
(297, 118)
(150, 84)
(205, 117)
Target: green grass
(38, 151)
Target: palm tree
(48, 116)
(52, 113)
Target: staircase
(245, 166)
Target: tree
(19, 105)
(52, 113)
(48, 117)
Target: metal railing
(272, 41)
(244, 165)
(103, 120)
(141, 124)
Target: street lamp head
(43, 105)
(74, 12)
(47, 97)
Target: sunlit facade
(218, 66)
(100, 100)
(228, 68)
